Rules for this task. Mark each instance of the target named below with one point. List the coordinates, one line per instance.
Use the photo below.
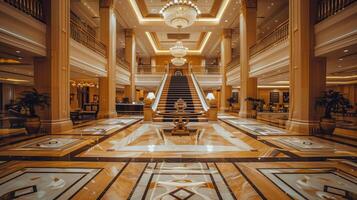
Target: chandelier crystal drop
(180, 14)
(178, 61)
(178, 50)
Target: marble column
(52, 73)
(226, 58)
(130, 57)
(107, 90)
(248, 86)
(307, 73)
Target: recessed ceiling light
(346, 50)
(339, 66)
(340, 59)
(18, 51)
(19, 58)
(225, 20)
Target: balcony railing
(122, 63)
(33, 8)
(233, 64)
(85, 35)
(148, 69)
(279, 34)
(327, 8)
(207, 69)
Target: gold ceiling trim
(145, 12)
(157, 41)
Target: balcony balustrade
(327, 8)
(233, 64)
(85, 35)
(34, 8)
(279, 34)
(122, 63)
(148, 69)
(207, 69)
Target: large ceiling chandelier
(178, 50)
(178, 61)
(180, 14)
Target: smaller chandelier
(178, 61)
(180, 14)
(178, 50)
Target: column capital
(227, 33)
(129, 32)
(245, 4)
(106, 3)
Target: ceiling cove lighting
(180, 14)
(178, 50)
(178, 61)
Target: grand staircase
(177, 87)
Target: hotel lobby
(178, 99)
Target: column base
(212, 114)
(303, 127)
(148, 114)
(247, 114)
(103, 115)
(56, 126)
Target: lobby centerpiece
(331, 101)
(29, 101)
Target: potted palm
(331, 101)
(231, 101)
(29, 101)
(257, 105)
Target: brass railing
(85, 35)
(148, 69)
(33, 8)
(280, 33)
(122, 63)
(327, 8)
(207, 69)
(233, 64)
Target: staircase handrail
(159, 92)
(199, 92)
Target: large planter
(327, 125)
(32, 125)
(254, 114)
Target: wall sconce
(150, 96)
(210, 96)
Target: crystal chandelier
(180, 14)
(178, 50)
(178, 61)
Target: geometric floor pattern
(124, 158)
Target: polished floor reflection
(125, 158)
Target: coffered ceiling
(154, 37)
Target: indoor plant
(257, 105)
(331, 101)
(231, 101)
(29, 100)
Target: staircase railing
(200, 92)
(159, 92)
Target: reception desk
(128, 108)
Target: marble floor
(125, 158)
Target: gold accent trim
(145, 13)
(157, 41)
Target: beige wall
(265, 94)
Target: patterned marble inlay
(260, 129)
(307, 144)
(50, 143)
(312, 183)
(240, 121)
(181, 181)
(138, 141)
(120, 121)
(101, 129)
(45, 183)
